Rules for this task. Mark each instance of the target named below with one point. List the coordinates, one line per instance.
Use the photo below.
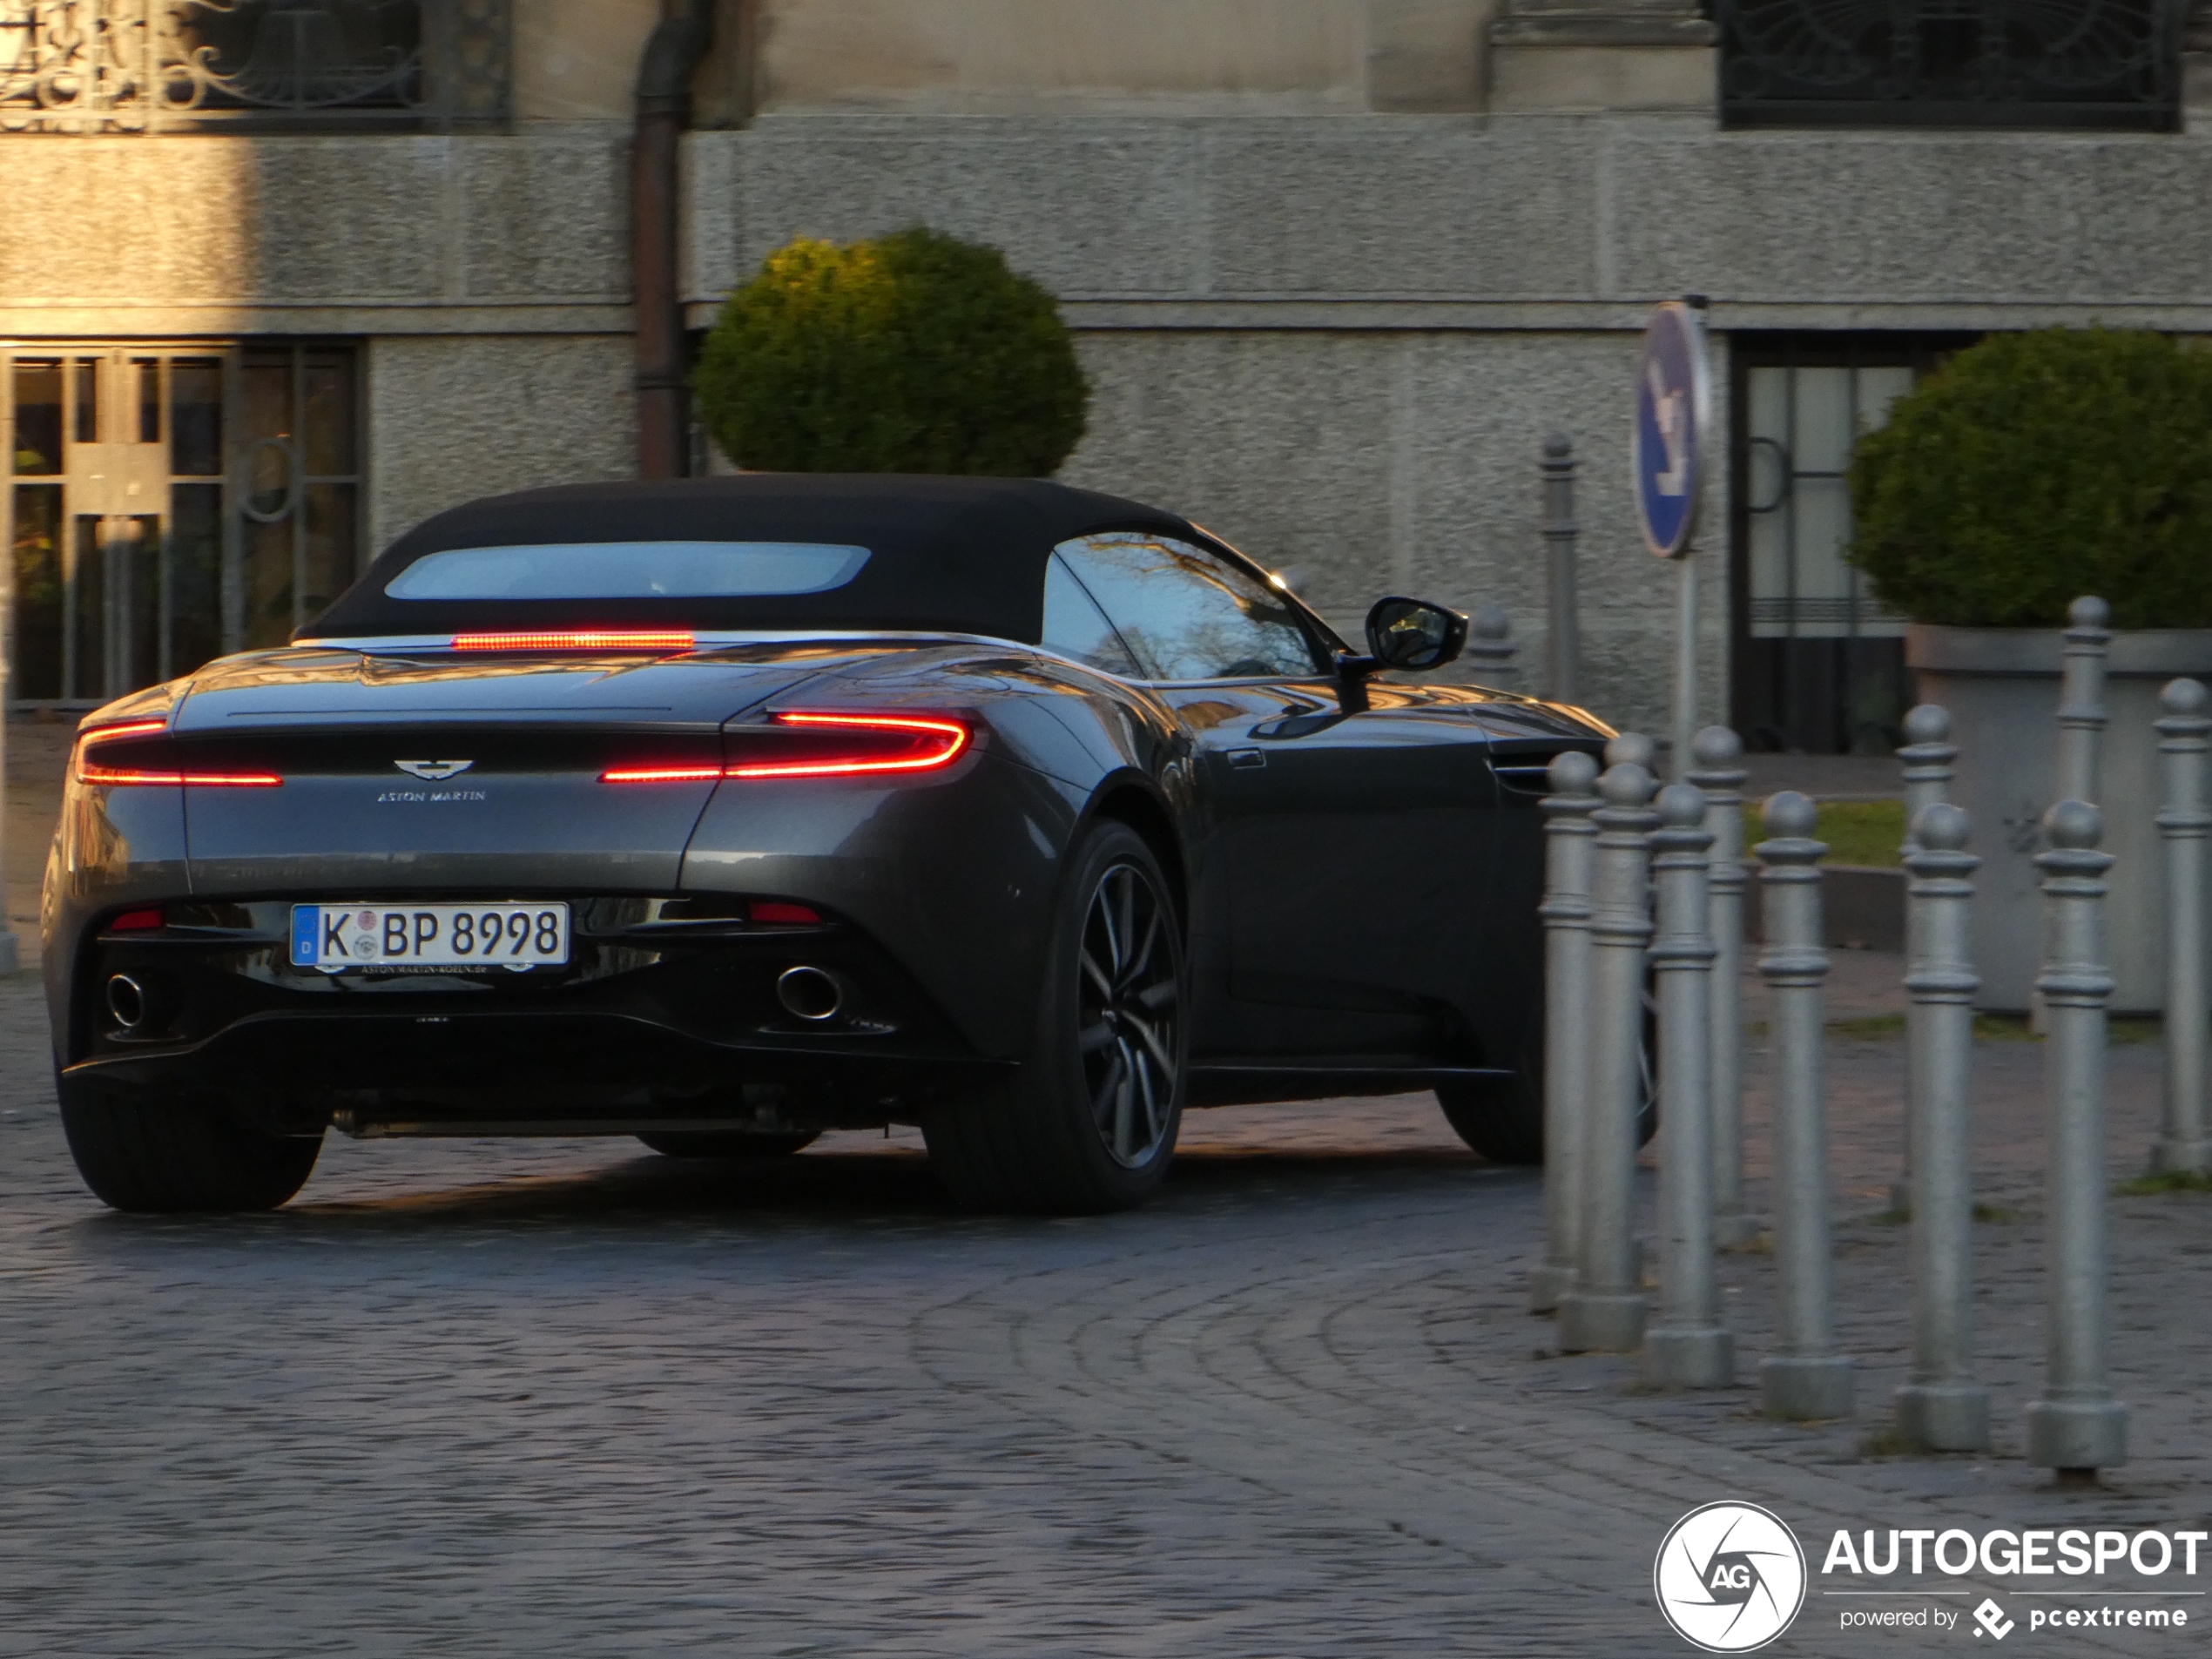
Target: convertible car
(725, 811)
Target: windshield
(629, 570)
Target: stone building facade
(277, 277)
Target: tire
(1503, 1117)
(728, 1144)
(162, 1155)
(1088, 1123)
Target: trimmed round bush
(2034, 467)
(911, 353)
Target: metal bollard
(1569, 834)
(1927, 756)
(2077, 1427)
(1807, 1378)
(1688, 1348)
(1563, 628)
(1490, 648)
(1718, 753)
(1631, 748)
(1943, 1408)
(2081, 698)
(2182, 824)
(1605, 1308)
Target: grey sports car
(725, 811)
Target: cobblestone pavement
(568, 1398)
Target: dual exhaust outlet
(814, 995)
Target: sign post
(1673, 430)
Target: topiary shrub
(912, 353)
(2032, 469)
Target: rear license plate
(510, 935)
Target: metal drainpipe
(672, 56)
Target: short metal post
(1943, 1408)
(1687, 1348)
(2076, 1428)
(1631, 748)
(1605, 1309)
(1685, 698)
(1806, 1379)
(2081, 698)
(1569, 838)
(1928, 755)
(1490, 648)
(1562, 628)
(2183, 823)
(1719, 755)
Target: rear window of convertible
(629, 570)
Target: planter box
(2001, 686)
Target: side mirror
(1413, 635)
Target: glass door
(166, 504)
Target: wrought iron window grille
(2036, 64)
(122, 66)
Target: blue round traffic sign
(1674, 420)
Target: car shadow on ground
(852, 1190)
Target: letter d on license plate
(509, 934)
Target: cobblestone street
(566, 1397)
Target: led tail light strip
(826, 745)
(675, 640)
(124, 775)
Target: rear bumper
(688, 1030)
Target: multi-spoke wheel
(1503, 1117)
(1130, 1001)
(1089, 1123)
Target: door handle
(1245, 759)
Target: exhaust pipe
(127, 1000)
(814, 995)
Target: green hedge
(2032, 469)
(911, 353)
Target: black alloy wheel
(1503, 1117)
(1088, 1123)
(1129, 999)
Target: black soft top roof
(959, 555)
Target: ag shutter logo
(1730, 1578)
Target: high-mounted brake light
(586, 639)
(115, 777)
(824, 746)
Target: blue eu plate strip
(306, 919)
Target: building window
(88, 66)
(1819, 663)
(169, 503)
(2109, 64)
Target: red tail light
(673, 640)
(142, 756)
(661, 775)
(831, 745)
(135, 921)
(820, 746)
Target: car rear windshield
(629, 570)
